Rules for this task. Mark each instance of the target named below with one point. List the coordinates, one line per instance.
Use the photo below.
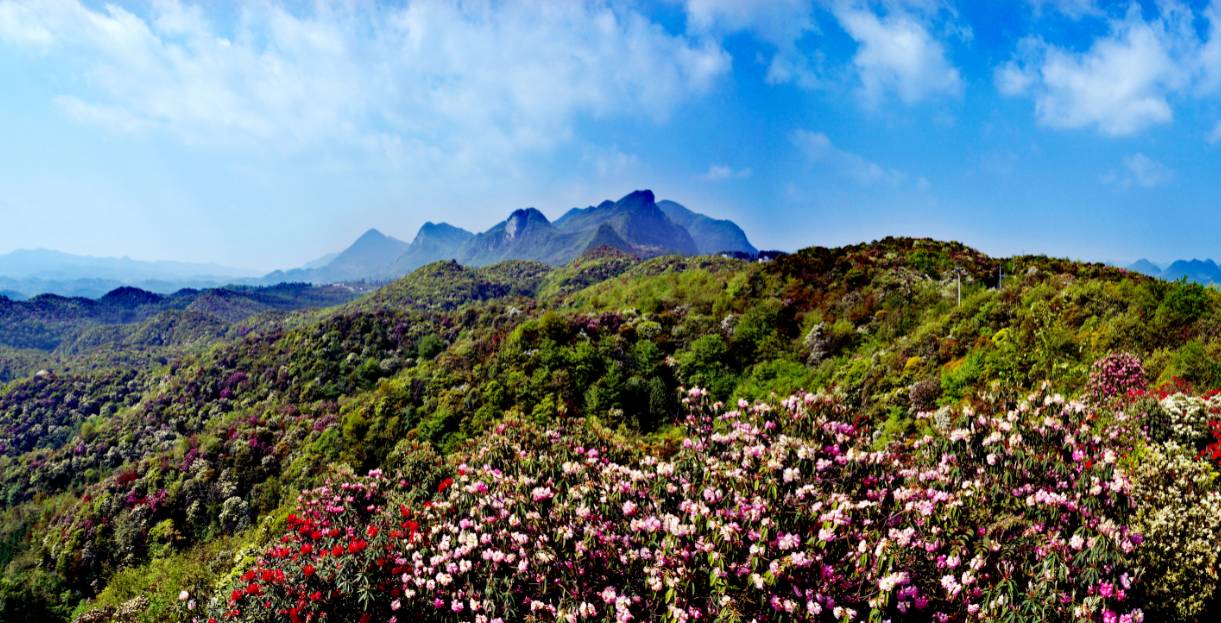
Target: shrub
(1179, 516)
(430, 346)
(923, 394)
(1182, 419)
(1116, 375)
(1193, 363)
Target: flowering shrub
(1179, 515)
(1116, 375)
(1183, 419)
(324, 562)
(762, 514)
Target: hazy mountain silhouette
(636, 224)
(1200, 271)
(25, 273)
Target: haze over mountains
(637, 224)
(1199, 271)
(25, 273)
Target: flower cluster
(1179, 515)
(764, 513)
(1116, 375)
(337, 555)
(1183, 419)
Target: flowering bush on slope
(763, 514)
(1116, 375)
(1180, 518)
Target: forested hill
(132, 480)
(51, 330)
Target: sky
(264, 134)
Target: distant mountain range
(25, 273)
(637, 224)
(50, 322)
(1199, 271)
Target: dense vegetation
(514, 442)
(129, 326)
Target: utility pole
(958, 277)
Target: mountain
(25, 273)
(49, 321)
(1145, 267)
(55, 265)
(372, 252)
(636, 224)
(637, 219)
(434, 242)
(369, 258)
(525, 235)
(322, 261)
(711, 235)
(1199, 271)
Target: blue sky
(264, 134)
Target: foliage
(569, 524)
(1180, 518)
(1116, 375)
(151, 437)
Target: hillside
(132, 322)
(550, 409)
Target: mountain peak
(522, 219)
(638, 197)
(1145, 267)
(431, 229)
(128, 296)
(528, 213)
(372, 234)
(711, 235)
(636, 224)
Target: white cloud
(778, 23)
(1121, 85)
(1209, 56)
(1013, 79)
(819, 149)
(610, 162)
(116, 119)
(1214, 135)
(458, 82)
(897, 54)
(1139, 171)
(718, 172)
(1073, 9)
